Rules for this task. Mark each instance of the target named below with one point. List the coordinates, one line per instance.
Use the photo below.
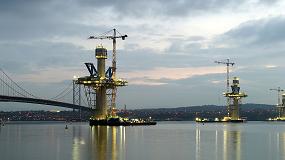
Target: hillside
(251, 111)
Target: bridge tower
(97, 84)
(282, 108)
(235, 96)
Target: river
(165, 141)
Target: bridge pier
(235, 96)
(101, 99)
(99, 81)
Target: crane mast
(228, 64)
(114, 66)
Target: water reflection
(232, 144)
(167, 141)
(198, 136)
(281, 145)
(108, 142)
(78, 142)
(226, 144)
(100, 143)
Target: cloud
(50, 75)
(252, 33)
(173, 8)
(42, 20)
(35, 56)
(266, 2)
(169, 52)
(216, 82)
(145, 82)
(51, 18)
(270, 66)
(169, 74)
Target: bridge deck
(4, 98)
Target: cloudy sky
(168, 57)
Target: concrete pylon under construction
(97, 84)
(101, 99)
(281, 108)
(235, 97)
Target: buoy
(66, 127)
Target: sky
(168, 56)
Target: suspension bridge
(10, 91)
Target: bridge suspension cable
(64, 92)
(8, 85)
(10, 91)
(63, 96)
(67, 92)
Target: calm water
(165, 141)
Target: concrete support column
(101, 99)
(101, 102)
(235, 109)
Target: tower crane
(228, 64)
(279, 105)
(114, 35)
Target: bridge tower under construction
(98, 86)
(235, 97)
(281, 108)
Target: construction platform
(276, 119)
(234, 97)
(118, 121)
(216, 120)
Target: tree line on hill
(253, 112)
